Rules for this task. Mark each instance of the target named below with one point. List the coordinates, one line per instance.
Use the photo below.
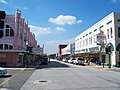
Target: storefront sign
(100, 37)
(94, 49)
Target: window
(118, 32)
(101, 27)
(90, 32)
(1, 46)
(108, 33)
(6, 46)
(83, 43)
(118, 20)
(95, 30)
(111, 32)
(80, 43)
(20, 33)
(109, 22)
(10, 47)
(90, 40)
(86, 41)
(94, 38)
(9, 31)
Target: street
(63, 76)
(15, 79)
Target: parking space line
(9, 79)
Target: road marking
(9, 79)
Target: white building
(66, 50)
(39, 50)
(86, 42)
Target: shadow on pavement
(54, 64)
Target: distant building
(72, 50)
(39, 50)
(66, 51)
(60, 47)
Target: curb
(105, 68)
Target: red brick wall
(9, 57)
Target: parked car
(65, 59)
(3, 71)
(44, 61)
(71, 60)
(79, 61)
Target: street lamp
(101, 41)
(26, 54)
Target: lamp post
(101, 39)
(26, 54)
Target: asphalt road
(15, 79)
(62, 76)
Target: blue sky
(57, 22)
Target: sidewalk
(117, 69)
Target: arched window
(9, 31)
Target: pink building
(13, 44)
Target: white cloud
(115, 1)
(79, 21)
(3, 1)
(63, 20)
(40, 30)
(60, 29)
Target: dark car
(44, 61)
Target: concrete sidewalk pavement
(105, 67)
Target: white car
(71, 60)
(79, 61)
(65, 59)
(3, 71)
